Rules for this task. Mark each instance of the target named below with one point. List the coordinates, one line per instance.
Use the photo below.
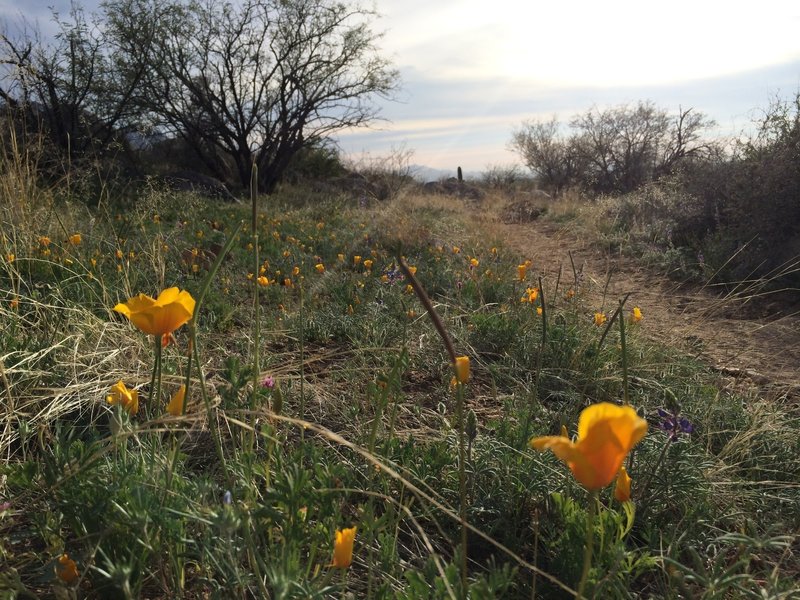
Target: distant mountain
(422, 173)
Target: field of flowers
(319, 399)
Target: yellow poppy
(263, 281)
(368, 264)
(599, 318)
(474, 262)
(175, 406)
(462, 369)
(356, 259)
(622, 490)
(606, 433)
(636, 314)
(161, 316)
(343, 547)
(127, 399)
(522, 271)
(67, 569)
(319, 267)
(75, 239)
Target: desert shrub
(749, 203)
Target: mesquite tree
(614, 150)
(252, 82)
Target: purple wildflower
(269, 382)
(227, 498)
(674, 424)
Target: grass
(242, 495)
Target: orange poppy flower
(462, 369)
(127, 399)
(343, 547)
(67, 569)
(161, 316)
(175, 406)
(606, 433)
(622, 490)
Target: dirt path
(764, 352)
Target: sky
(472, 71)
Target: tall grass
(241, 496)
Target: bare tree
(551, 156)
(68, 88)
(614, 150)
(253, 83)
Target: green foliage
(231, 502)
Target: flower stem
(462, 484)
(256, 304)
(154, 376)
(587, 553)
(626, 395)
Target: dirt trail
(754, 351)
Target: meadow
(327, 398)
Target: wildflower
(343, 547)
(636, 314)
(67, 569)
(409, 288)
(622, 490)
(268, 382)
(14, 303)
(263, 281)
(126, 398)
(161, 316)
(606, 433)
(493, 251)
(287, 282)
(340, 257)
(295, 271)
(119, 254)
(319, 267)
(227, 498)
(411, 314)
(674, 424)
(356, 259)
(539, 310)
(522, 271)
(462, 369)
(599, 319)
(384, 279)
(569, 295)
(531, 294)
(75, 239)
(473, 263)
(175, 406)
(368, 264)
(456, 250)
(10, 258)
(44, 241)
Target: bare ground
(719, 329)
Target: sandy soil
(722, 331)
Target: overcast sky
(473, 70)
